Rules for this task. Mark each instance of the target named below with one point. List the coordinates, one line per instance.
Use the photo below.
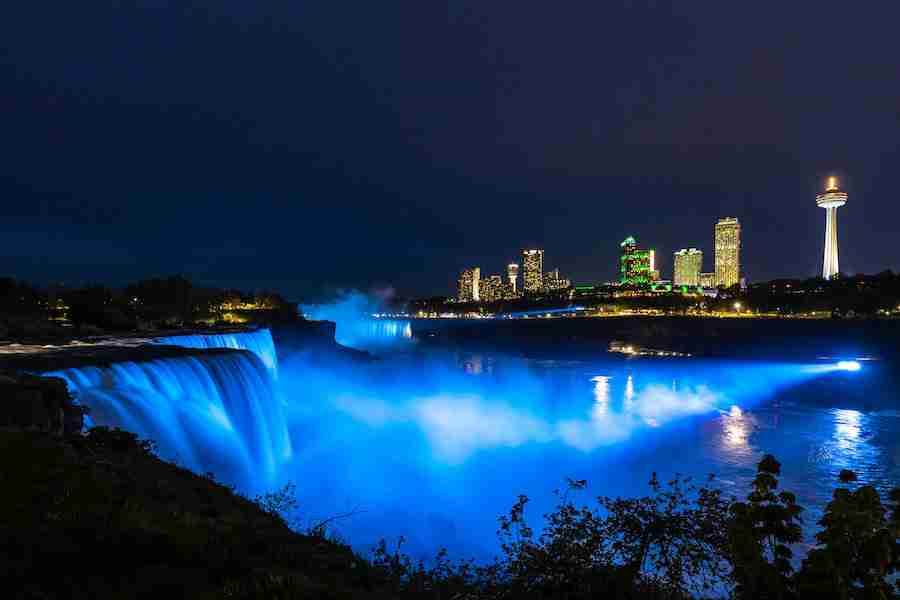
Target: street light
(737, 306)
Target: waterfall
(208, 412)
(367, 331)
(258, 342)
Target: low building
(553, 282)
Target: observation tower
(831, 199)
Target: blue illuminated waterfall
(258, 342)
(367, 331)
(214, 412)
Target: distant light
(737, 306)
(848, 365)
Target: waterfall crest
(209, 412)
(258, 342)
(364, 332)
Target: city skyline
(638, 266)
(471, 286)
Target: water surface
(434, 442)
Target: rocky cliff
(39, 404)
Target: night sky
(304, 146)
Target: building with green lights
(635, 264)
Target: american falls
(215, 411)
(258, 342)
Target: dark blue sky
(304, 145)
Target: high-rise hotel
(728, 252)
(688, 262)
(635, 264)
(532, 271)
(469, 281)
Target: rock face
(29, 403)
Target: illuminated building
(468, 285)
(654, 272)
(634, 264)
(707, 280)
(512, 273)
(728, 252)
(661, 285)
(490, 288)
(532, 270)
(688, 262)
(552, 281)
(831, 199)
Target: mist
(435, 444)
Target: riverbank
(802, 339)
(99, 516)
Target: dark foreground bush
(682, 541)
(99, 516)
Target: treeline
(170, 302)
(844, 296)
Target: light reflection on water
(846, 429)
(735, 429)
(436, 448)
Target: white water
(258, 342)
(217, 412)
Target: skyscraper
(635, 264)
(490, 288)
(468, 285)
(728, 252)
(688, 262)
(533, 268)
(832, 199)
(512, 273)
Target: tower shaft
(830, 266)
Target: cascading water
(209, 412)
(258, 342)
(368, 331)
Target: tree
(674, 539)
(760, 534)
(857, 547)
